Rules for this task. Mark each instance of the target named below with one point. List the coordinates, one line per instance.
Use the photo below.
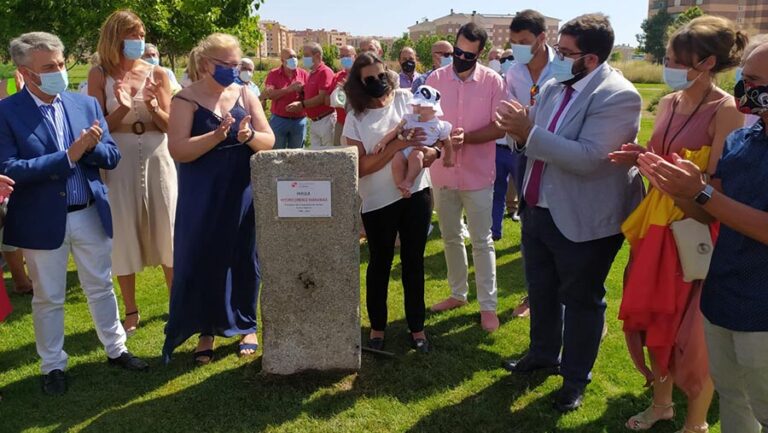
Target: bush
(639, 71)
(654, 102)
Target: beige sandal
(704, 428)
(646, 419)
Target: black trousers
(566, 286)
(410, 217)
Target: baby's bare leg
(399, 168)
(415, 165)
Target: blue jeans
(289, 133)
(506, 171)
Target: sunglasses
(534, 93)
(382, 76)
(507, 59)
(458, 52)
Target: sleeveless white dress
(142, 193)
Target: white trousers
(478, 205)
(321, 132)
(738, 364)
(92, 251)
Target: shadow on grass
(22, 304)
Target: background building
(322, 37)
(276, 37)
(497, 26)
(751, 15)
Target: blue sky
(392, 17)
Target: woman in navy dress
(215, 127)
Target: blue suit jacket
(37, 210)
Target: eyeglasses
(534, 93)
(223, 63)
(561, 55)
(507, 59)
(458, 52)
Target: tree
(330, 55)
(616, 57)
(653, 40)
(423, 47)
(685, 17)
(174, 25)
(398, 45)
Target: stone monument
(307, 237)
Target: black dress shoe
(376, 343)
(420, 344)
(129, 362)
(55, 383)
(527, 364)
(568, 399)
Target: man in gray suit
(574, 200)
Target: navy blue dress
(216, 270)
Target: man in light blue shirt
(524, 79)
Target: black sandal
(208, 353)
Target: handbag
(694, 248)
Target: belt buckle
(138, 127)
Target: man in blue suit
(52, 144)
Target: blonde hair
(193, 65)
(117, 25)
(217, 42)
(707, 36)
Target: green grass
(459, 387)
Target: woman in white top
(376, 107)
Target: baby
(408, 163)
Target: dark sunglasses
(507, 59)
(382, 76)
(458, 52)
(534, 93)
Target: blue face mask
(308, 62)
(505, 66)
(677, 79)
(523, 53)
(346, 62)
(53, 83)
(292, 63)
(225, 75)
(445, 61)
(562, 70)
(133, 49)
(153, 61)
(739, 73)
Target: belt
(288, 118)
(322, 116)
(137, 128)
(77, 207)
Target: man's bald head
(286, 53)
(439, 50)
(347, 51)
(756, 66)
(407, 53)
(372, 45)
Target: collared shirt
(78, 191)
(578, 87)
(277, 79)
(420, 80)
(341, 114)
(250, 85)
(520, 83)
(406, 82)
(470, 105)
(319, 79)
(734, 294)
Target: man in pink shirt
(319, 85)
(470, 93)
(284, 85)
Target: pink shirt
(471, 105)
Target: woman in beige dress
(135, 97)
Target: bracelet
(400, 136)
(250, 137)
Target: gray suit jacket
(588, 196)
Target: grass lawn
(459, 387)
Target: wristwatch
(703, 197)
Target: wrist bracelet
(250, 137)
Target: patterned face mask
(751, 99)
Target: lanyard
(666, 147)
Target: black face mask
(751, 99)
(408, 66)
(461, 65)
(376, 87)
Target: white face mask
(246, 76)
(495, 64)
